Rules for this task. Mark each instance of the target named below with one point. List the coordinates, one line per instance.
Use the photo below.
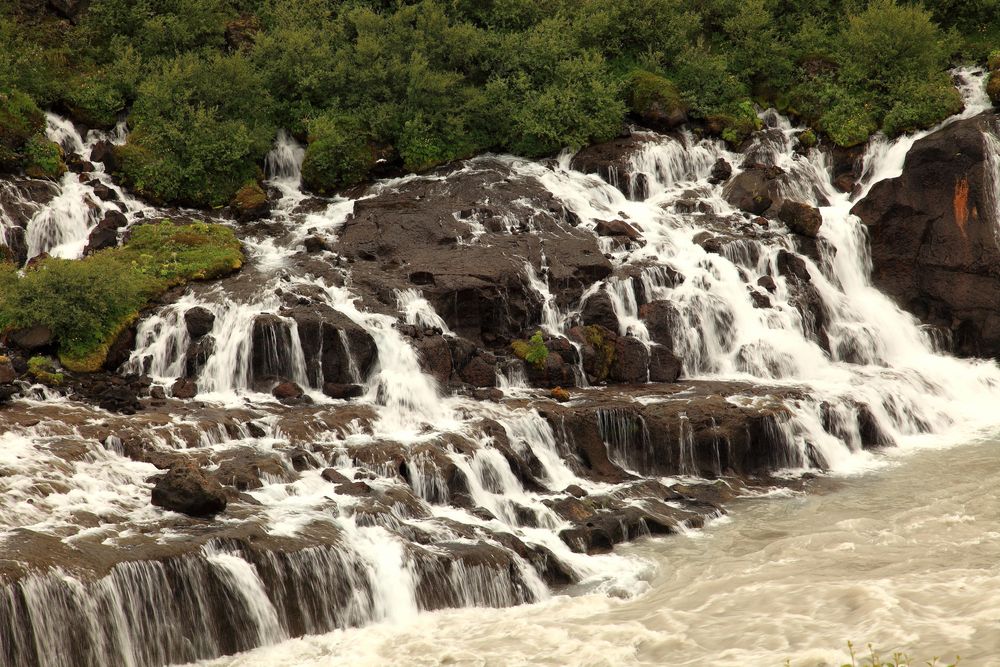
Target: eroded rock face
(933, 235)
(419, 235)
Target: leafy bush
(201, 125)
(20, 121)
(339, 153)
(88, 303)
(920, 105)
(533, 350)
(43, 158)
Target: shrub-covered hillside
(377, 85)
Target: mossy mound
(43, 159)
(655, 100)
(250, 203)
(88, 303)
(533, 350)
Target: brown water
(906, 557)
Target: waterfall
(413, 497)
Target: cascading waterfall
(866, 357)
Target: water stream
(904, 558)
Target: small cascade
(62, 226)
(992, 142)
(416, 310)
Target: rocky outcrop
(934, 233)
(187, 490)
(420, 235)
(612, 161)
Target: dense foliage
(87, 303)
(409, 84)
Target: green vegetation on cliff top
(88, 303)
(410, 84)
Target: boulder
(343, 391)
(801, 218)
(105, 234)
(612, 161)
(631, 361)
(104, 152)
(31, 339)
(184, 388)
(199, 321)
(933, 234)
(250, 203)
(186, 489)
(287, 391)
(7, 372)
(756, 189)
(416, 234)
(617, 228)
(598, 309)
(721, 171)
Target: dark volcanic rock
(612, 161)
(31, 339)
(801, 218)
(933, 235)
(199, 321)
(597, 309)
(343, 391)
(756, 189)
(187, 490)
(104, 152)
(617, 228)
(184, 388)
(417, 233)
(105, 234)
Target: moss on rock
(43, 159)
(655, 100)
(87, 303)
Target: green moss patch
(532, 350)
(87, 303)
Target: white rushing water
(903, 559)
(878, 358)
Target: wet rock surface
(933, 234)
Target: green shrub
(339, 153)
(888, 44)
(651, 96)
(87, 303)
(96, 97)
(580, 105)
(993, 88)
(43, 158)
(993, 62)
(848, 123)
(20, 121)
(533, 350)
(921, 105)
(201, 125)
